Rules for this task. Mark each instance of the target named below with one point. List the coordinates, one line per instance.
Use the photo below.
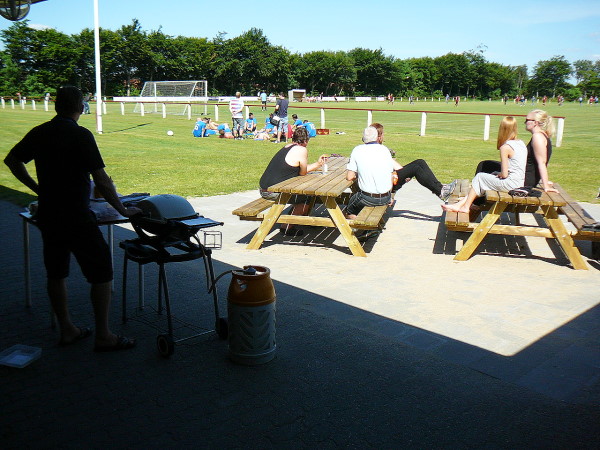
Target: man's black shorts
(86, 243)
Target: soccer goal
(177, 96)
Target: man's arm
(108, 191)
(20, 172)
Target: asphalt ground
(404, 348)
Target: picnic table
(330, 188)
(547, 205)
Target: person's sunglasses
(529, 120)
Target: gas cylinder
(251, 316)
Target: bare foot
(455, 207)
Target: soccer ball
(169, 133)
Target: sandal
(83, 333)
(123, 343)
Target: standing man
(281, 109)
(372, 164)
(263, 101)
(65, 155)
(236, 106)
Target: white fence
(161, 106)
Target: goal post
(176, 95)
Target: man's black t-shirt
(64, 154)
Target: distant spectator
(236, 106)
(296, 122)
(263, 101)
(281, 108)
(200, 128)
(250, 126)
(86, 103)
(310, 127)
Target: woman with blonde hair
(513, 156)
(539, 149)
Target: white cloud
(38, 26)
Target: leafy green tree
(587, 75)
(421, 78)
(376, 73)
(329, 72)
(550, 76)
(454, 70)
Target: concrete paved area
(403, 348)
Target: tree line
(34, 62)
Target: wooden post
(486, 128)
(122, 108)
(142, 109)
(3, 104)
(12, 103)
(369, 117)
(189, 106)
(559, 131)
(216, 118)
(322, 118)
(45, 105)
(164, 111)
(423, 123)
(104, 106)
(33, 104)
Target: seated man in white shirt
(372, 164)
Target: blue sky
(511, 32)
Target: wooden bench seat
(369, 218)
(548, 205)
(458, 221)
(252, 210)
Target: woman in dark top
(291, 161)
(539, 149)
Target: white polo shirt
(374, 165)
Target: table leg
(342, 224)
(480, 231)
(27, 263)
(563, 237)
(268, 221)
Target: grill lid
(166, 207)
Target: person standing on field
(236, 106)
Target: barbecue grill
(167, 232)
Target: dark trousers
(487, 166)
(420, 170)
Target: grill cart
(167, 232)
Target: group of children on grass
(205, 127)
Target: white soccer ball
(169, 133)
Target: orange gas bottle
(251, 316)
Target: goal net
(177, 96)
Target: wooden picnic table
(328, 187)
(548, 205)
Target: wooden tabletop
(330, 184)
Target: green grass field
(140, 156)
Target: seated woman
(290, 161)
(513, 156)
(539, 151)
